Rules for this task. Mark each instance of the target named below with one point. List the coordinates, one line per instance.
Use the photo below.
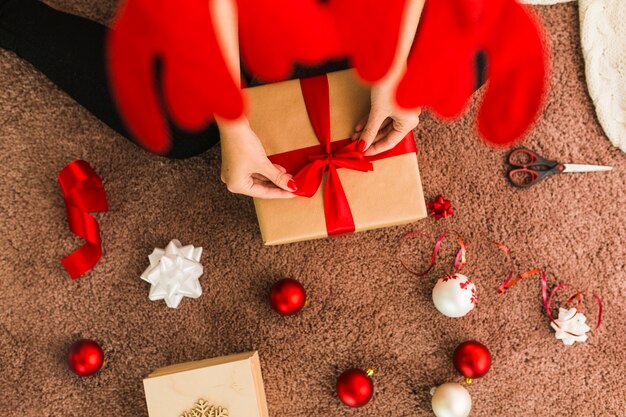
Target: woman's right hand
(245, 167)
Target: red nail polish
(292, 185)
(360, 145)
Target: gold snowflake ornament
(204, 409)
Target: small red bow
(440, 208)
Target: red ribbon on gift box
(83, 193)
(310, 164)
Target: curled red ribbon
(460, 260)
(83, 193)
(509, 281)
(310, 164)
(547, 298)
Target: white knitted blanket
(603, 38)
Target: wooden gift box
(229, 386)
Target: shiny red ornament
(287, 296)
(440, 208)
(472, 360)
(85, 357)
(355, 387)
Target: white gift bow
(570, 327)
(174, 273)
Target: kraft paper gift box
(229, 386)
(389, 194)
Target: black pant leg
(70, 51)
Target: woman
(70, 51)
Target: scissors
(529, 168)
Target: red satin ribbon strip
(459, 261)
(547, 298)
(310, 165)
(83, 193)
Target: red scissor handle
(531, 167)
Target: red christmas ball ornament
(85, 357)
(440, 208)
(472, 360)
(355, 387)
(287, 296)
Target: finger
(388, 142)
(264, 178)
(385, 129)
(280, 178)
(384, 126)
(259, 188)
(267, 190)
(280, 168)
(359, 127)
(371, 130)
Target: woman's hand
(246, 168)
(386, 124)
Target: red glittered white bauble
(355, 387)
(451, 400)
(454, 295)
(85, 357)
(287, 296)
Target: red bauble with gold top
(355, 387)
(472, 359)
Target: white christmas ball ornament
(454, 295)
(451, 400)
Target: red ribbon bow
(83, 193)
(310, 164)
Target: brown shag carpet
(365, 311)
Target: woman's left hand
(386, 124)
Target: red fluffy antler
(195, 82)
(441, 67)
